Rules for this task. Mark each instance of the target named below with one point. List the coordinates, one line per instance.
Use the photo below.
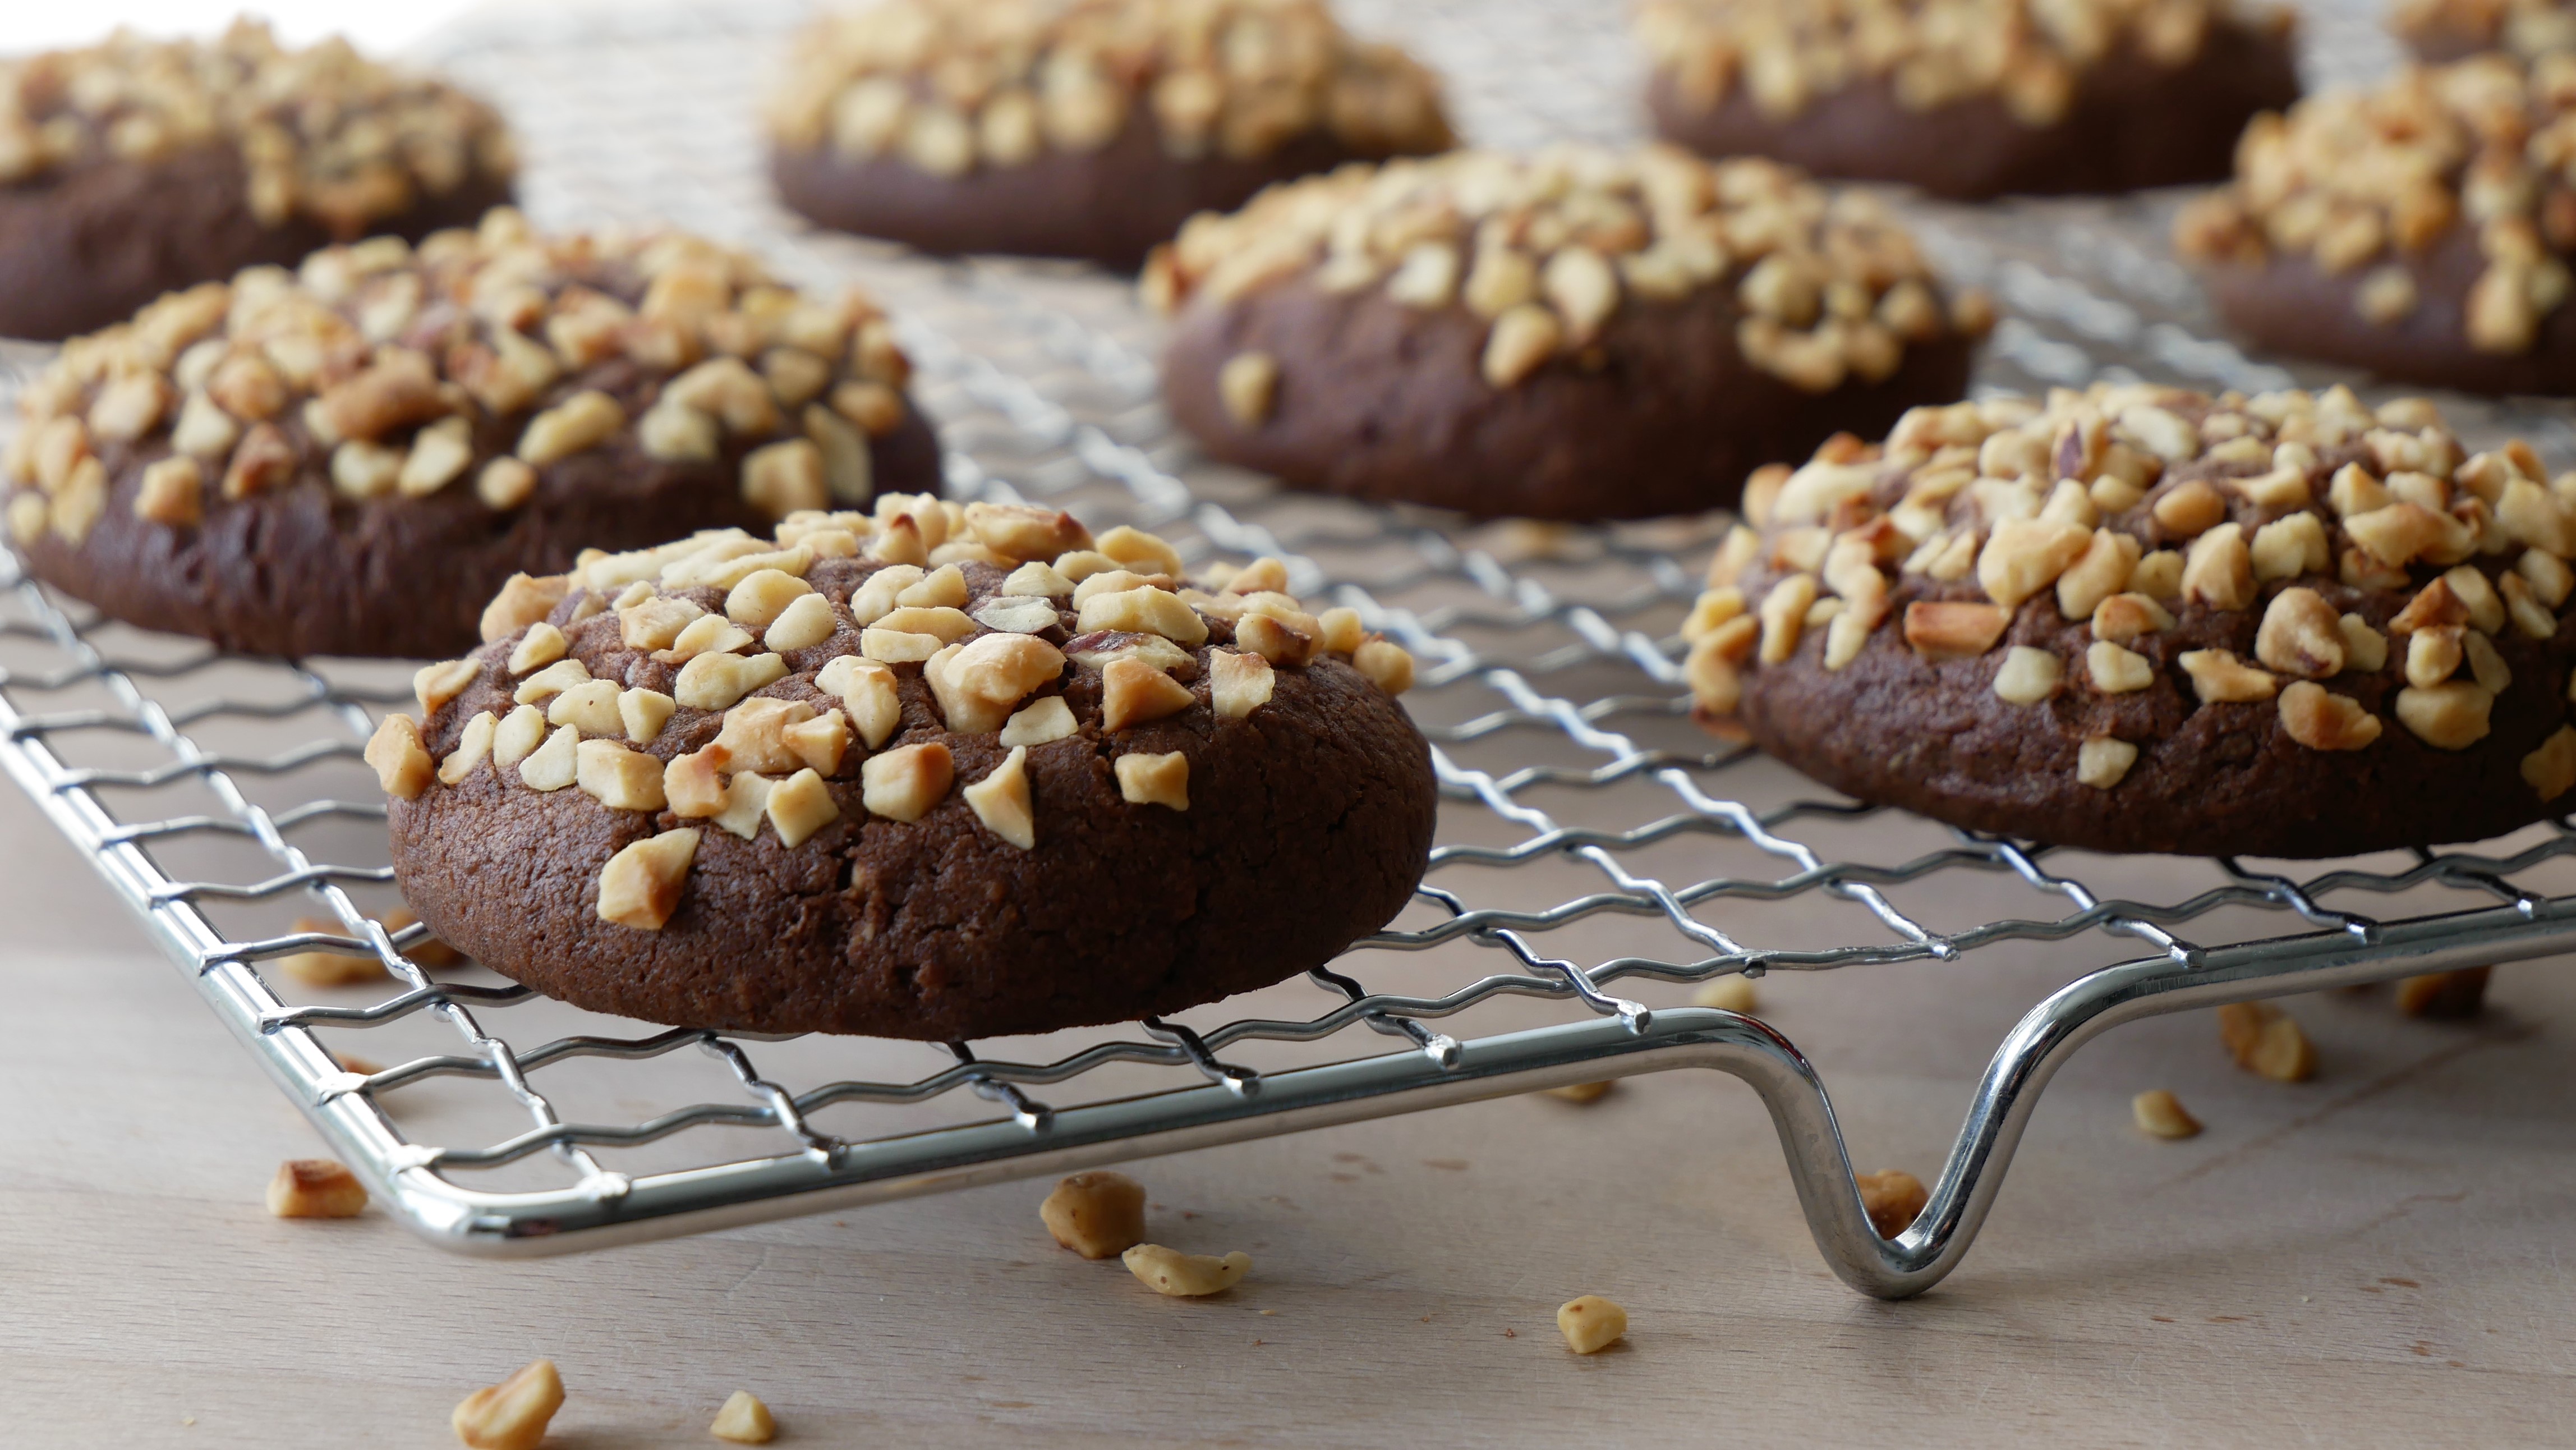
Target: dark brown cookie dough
(1089, 129)
(1289, 829)
(189, 471)
(1392, 389)
(2459, 280)
(214, 157)
(1961, 120)
(2221, 695)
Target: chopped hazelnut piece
(1238, 684)
(1001, 800)
(2290, 547)
(1249, 385)
(551, 681)
(941, 588)
(315, 1188)
(2530, 616)
(1732, 993)
(2444, 994)
(716, 681)
(2364, 648)
(1580, 1092)
(643, 713)
(1185, 1276)
(2027, 676)
(555, 764)
(592, 705)
(2116, 669)
(1037, 581)
(1136, 548)
(2103, 761)
(1388, 665)
(2219, 570)
(1283, 641)
(1523, 338)
(694, 783)
(867, 692)
(754, 734)
(523, 601)
(820, 742)
(1893, 1198)
(1591, 1324)
(2477, 596)
(903, 784)
(640, 886)
(318, 968)
(2101, 572)
(542, 645)
(402, 765)
(1096, 1214)
(2024, 556)
(979, 685)
(1149, 610)
(2448, 716)
(2551, 769)
(2158, 575)
(1133, 692)
(473, 743)
(2322, 720)
(1342, 632)
(437, 684)
(2266, 1041)
(2301, 635)
(762, 596)
(744, 1420)
(804, 623)
(2191, 509)
(781, 478)
(2218, 676)
(2159, 1114)
(173, 492)
(1954, 630)
(1023, 532)
(656, 621)
(618, 778)
(1784, 615)
(577, 424)
(799, 806)
(1152, 779)
(513, 1414)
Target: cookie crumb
(315, 1188)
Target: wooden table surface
(2373, 1257)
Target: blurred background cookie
(1078, 128)
(1969, 98)
(2136, 618)
(2420, 228)
(2440, 30)
(137, 167)
(1575, 334)
(349, 458)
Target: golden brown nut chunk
(1185, 1276)
(2265, 1040)
(513, 1414)
(315, 1188)
(2160, 1114)
(1581, 1092)
(1893, 1198)
(2444, 994)
(1591, 1324)
(1096, 1214)
(744, 1420)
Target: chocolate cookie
(1969, 98)
(350, 458)
(1079, 128)
(138, 167)
(1574, 334)
(2140, 619)
(2445, 30)
(1037, 786)
(2409, 230)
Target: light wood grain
(2373, 1258)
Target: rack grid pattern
(220, 795)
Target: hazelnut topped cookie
(350, 457)
(2420, 229)
(2441, 30)
(2142, 619)
(1078, 128)
(138, 167)
(1569, 334)
(929, 772)
(1969, 98)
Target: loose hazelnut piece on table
(201, 157)
(2266, 1041)
(1893, 1197)
(1591, 1324)
(1185, 1276)
(1968, 98)
(1085, 129)
(1581, 1092)
(1096, 1214)
(513, 1414)
(744, 1420)
(1573, 333)
(315, 1188)
(2444, 994)
(347, 420)
(2455, 275)
(1728, 994)
(327, 968)
(908, 834)
(2159, 1114)
(2351, 650)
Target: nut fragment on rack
(1096, 1214)
(1591, 1323)
(513, 1414)
(1727, 994)
(2159, 1114)
(2266, 1041)
(640, 886)
(1185, 1276)
(744, 1420)
(1892, 1197)
(315, 1188)
(1581, 1092)
(319, 968)
(403, 767)
(2444, 994)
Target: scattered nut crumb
(362, 1066)
(326, 968)
(2266, 1041)
(2444, 994)
(1580, 1092)
(1185, 1276)
(1096, 1214)
(2161, 1115)
(744, 1420)
(1591, 1324)
(1727, 994)
(513, 1414)
(1893, 1197)
(315, 1188)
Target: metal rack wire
(218, 795)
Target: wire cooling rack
(222, 798)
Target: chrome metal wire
(1590, 837)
